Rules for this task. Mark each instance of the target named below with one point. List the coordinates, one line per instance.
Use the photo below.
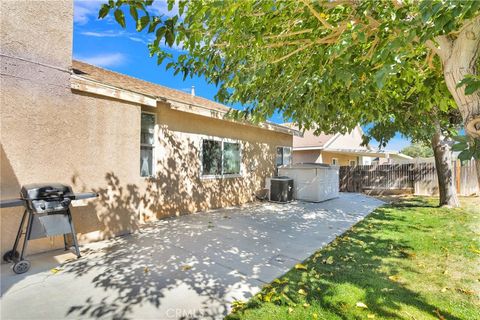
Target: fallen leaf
(302, 292)
(444, 289)
(466, 291)
(370, 316)
(361, 305)
(474, 250)
(329, 260)
(146, 269)
(186, 267)
(290, 310)
(300, 266)
(280, 281)
(439, 315)
(56, 270)
(394, 278)
(315, 316)
(306, 305)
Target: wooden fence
(417, 178)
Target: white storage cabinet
(313, 182)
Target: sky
(105, 44)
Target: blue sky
(105, 44)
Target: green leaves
(143, 22)
(469, 148)
(271, 56)
(120, 17)
(104, 9)
(471, 83)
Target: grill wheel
(21, 266)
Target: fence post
(458, 176)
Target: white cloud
(104, 60)
(102, 34)
(137, 40)
(84, 10)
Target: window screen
(284, 156)
(220, 158)
(147, 142)
(231, 158)
(211, 157)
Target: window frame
(222, 175)
(334, 160)
(153, 145)
(283, 163)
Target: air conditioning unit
(280, 189)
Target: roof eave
(88, 85)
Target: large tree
(299, 47)
(316, 61)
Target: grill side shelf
(80, 196)
(12, 203)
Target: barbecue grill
(47, 213)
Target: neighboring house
(339, 149)
(149, 151)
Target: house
(339, 149)
(147, 150)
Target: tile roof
(122, 81)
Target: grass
(406, 260)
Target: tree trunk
(459, 57)
(444, 168)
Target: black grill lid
(44, 190)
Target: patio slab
(184, 267)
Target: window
(220, 158)
(284, 156)
(335, 161)
(147, 144)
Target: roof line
(156, 84)
(262, 125)
(331, 140)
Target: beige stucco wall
(306, 156)
(343, 159)
(317, 156)
(37, 30)
(51, 134)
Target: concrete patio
(184, 267)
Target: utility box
(314, 182)
(280, 189)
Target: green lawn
(406, 260)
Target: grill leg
(19, 233)
(74, 234)
(27, 234)
(65, 242)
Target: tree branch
(293, 52)
(284, 35)
(317, 15)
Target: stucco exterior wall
(37, 30)
(50, 133)
(343, 159)
(306, 156)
